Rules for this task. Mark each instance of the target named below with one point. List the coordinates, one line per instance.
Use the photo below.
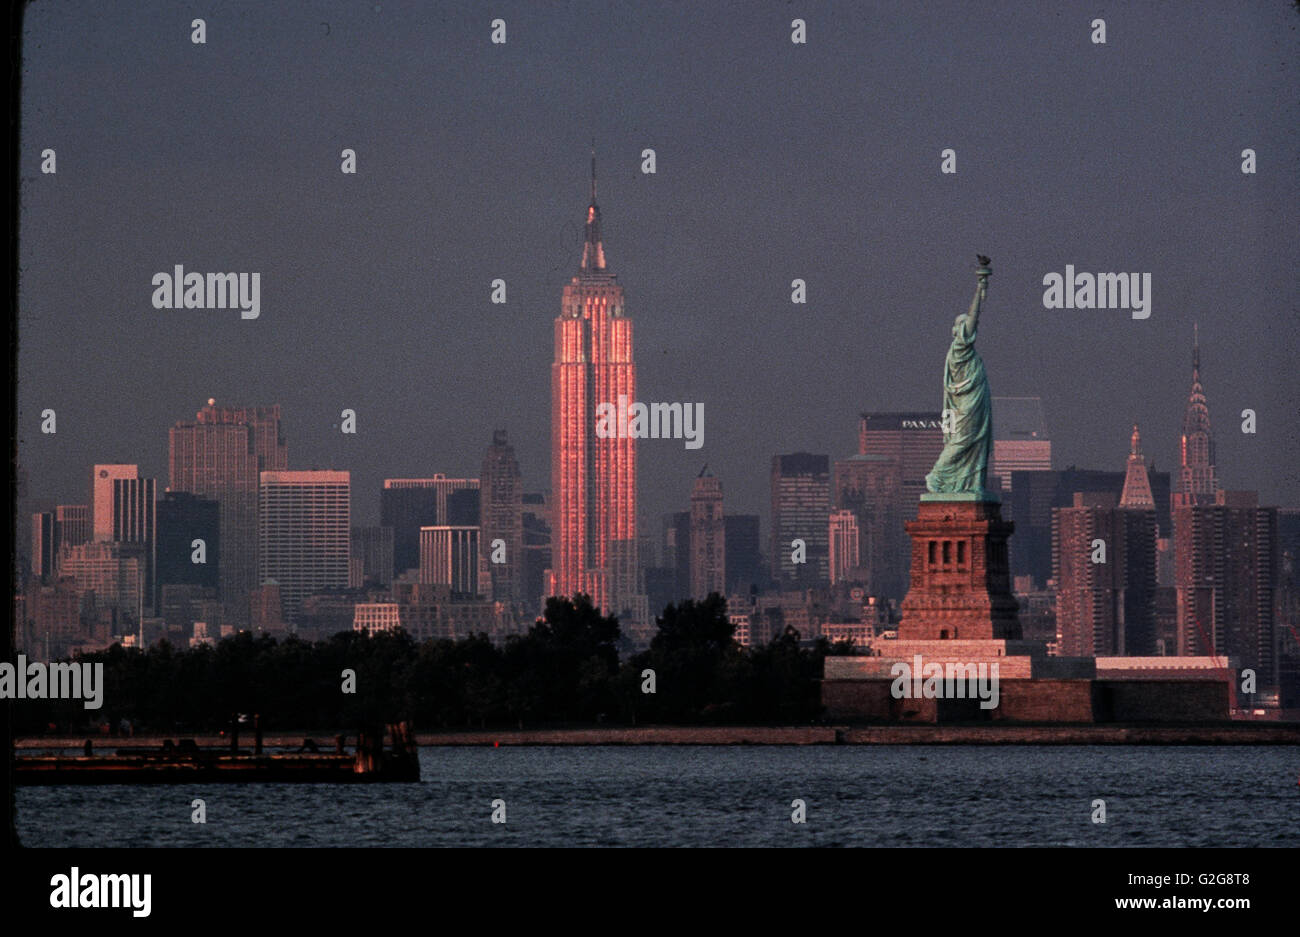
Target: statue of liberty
(962, 466)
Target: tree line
(565, 670)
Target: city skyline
(1199, 404)
(386, 275)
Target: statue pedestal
(961, 581)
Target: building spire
(1196, 328)
(593, 251)
(1197, 481)
(1137, 484)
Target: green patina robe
(968, 410)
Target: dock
(186, 763)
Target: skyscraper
(801, 506)
(914, 439)
(537, 549)
(502, 518)
(45, 547)
(677, 552)
(1020, 440)
(371, 560)
(843, 546)
(449, 556)
(1137, 483)
(593, 479)
(708, 538)
(1288, 606)
(113, 570)
(124, 512)
(72, 525)
(1197, 482)
(183, 518)
(304, 522)
(407, 504)
(905, 445)
(744, 553)
(871, 486)
(102, 478)
(1105, 602)
(220, 455)
(1034, 494)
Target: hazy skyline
(775, 161)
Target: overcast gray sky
(775, 161)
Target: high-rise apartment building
(1226, 561)
(1035, 494)
(1104, 561)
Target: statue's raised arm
(983, 272)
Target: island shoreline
(1225, 734)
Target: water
(722, 796)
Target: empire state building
(593, 480)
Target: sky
(774, 161)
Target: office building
(708, 538)
(501, 521)
(449, 556)
(304, 526)
(801, 503)
(407, 504)
(220, 455)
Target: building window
(947, 553)
(961, 552)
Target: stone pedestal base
(961, 581)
